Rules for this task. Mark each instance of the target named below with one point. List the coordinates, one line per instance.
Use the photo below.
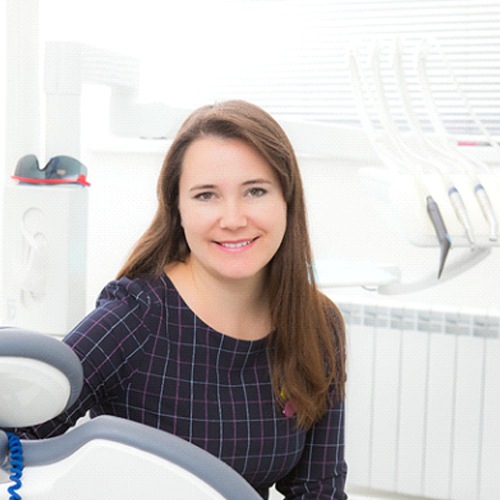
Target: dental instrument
(442, 148)
(452, 191)
(391, 153)
(421, 66)
(481, 195)
(389, 123)
(442, 233)
(419, 158)
(487, 209)
(387, 156)
(413, 156)
(396, 160)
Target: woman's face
(232, 208)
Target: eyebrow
(250, 182)
(256, 181)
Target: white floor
(277, 496)
(360, 495)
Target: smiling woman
(214, 329)
(227, 192)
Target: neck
(226, 305)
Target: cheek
(279, 220)
(283, 226)
(194, 222)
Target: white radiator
(423, 402)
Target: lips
(235, 245)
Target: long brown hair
(307, 345)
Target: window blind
(290, 56)
(308, 77)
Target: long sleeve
(104, 341)
(322, 470)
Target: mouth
(235, 245)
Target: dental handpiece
(461, 212)
(441, 231)
(488, 212)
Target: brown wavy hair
(307, 344)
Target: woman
(214, 329)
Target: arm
(103, 342)
(321, 472)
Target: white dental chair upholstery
(39, 377)
(107, 457)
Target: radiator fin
(423, 401)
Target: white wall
(3, 82)
(122, 200)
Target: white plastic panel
(446, 391)
(386, 407)
(490, 446)
(440, 408)
(412, 413)
(44, 284)
(467, 417)
(106, 469)
(359, 401)
(31, 395)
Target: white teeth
(236, 245)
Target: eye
(256, 192)
(205, 196)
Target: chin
(240, 274)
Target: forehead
(216, 158)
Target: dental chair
(106, 457)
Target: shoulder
(127, 304)
(145, 292)
(126, 310)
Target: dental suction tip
(488, 211)
(445, 247)
(441, 232)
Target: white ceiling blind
(304, 74)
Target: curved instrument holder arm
(467, 260)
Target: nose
(233, 215)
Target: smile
(235, 245)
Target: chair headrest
(40, 377)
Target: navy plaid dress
(147, 357)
